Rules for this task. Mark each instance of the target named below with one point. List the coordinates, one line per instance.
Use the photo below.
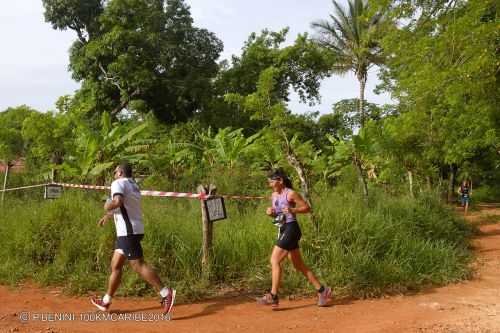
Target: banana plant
(99, 151)
(227, 147)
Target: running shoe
(325, 297)
(167, 302)
(268, 299)
(99, 303)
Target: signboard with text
(216, 210)
(53, 191)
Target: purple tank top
(280, 201)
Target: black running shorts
(289, 236)
(130, 245)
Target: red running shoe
(268, 299)
(325, 297)
(167, 302)
(98, 303)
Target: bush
(486, 194)
(394, 245)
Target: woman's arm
(301, 206)
(270, 210)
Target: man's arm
(104, 219)
(109, 206)
(115, 203)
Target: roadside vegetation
(381, 178)
(395, 244)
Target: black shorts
(289, 236)
(130, 245)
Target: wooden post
(5, 179)
(207, 228)
(410, 182)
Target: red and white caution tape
(89, 187)
(195, 195)
(148, 193)
(145, 192)
(173, 194)
(151, 193)
(22, 188)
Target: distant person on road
(465, 192)
(286, 204)
(125, 207)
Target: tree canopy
(139, 55)
(153, 93)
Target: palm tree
(351, 39)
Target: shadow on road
(215, 306)
(118, 311)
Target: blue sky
(34, 57)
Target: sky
(34, 57)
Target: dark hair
(126, 168)
(280, 174)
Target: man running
(125, 207)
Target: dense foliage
(396, 245)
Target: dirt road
(472, 306)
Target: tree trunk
(362, 76)
(56, 159)
(361, 110)
(359, 168)
(207, 229)
(429, 183)
(299, 168)
(410, 182)
(451, 183)
(207, 242)
(304, 183)
(361, 106)
(5, 180)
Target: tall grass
(393, 245)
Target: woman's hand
(271, 212)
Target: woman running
(465, 192)
(286, 204)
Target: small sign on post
(53, 191)
(216, 210)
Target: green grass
(393, 245)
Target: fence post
(207, 228)
(7, 167)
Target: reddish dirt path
(472, 306)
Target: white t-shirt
(128, 217)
